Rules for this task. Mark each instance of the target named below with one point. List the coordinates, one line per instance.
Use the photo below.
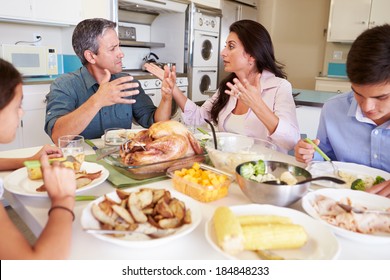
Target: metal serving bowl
(279, 195)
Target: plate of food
(362, 227)
(89, 176)
(304, 237)
(141, 217)
(349, 172)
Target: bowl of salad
(255, 180)
(234, 149)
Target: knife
(102, 153)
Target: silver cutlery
(350, 208)
(153, 233)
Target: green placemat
(118, 180)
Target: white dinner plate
(122, 132)
(371, 201)
(325, 168)
(18, 182)
(137, 241)
(321, 244)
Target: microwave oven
(31, 60)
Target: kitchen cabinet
(308, 120)
(97, 9)
(332, 84)
(50, 12)
(348, 19)
(31, 132)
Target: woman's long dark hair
(9, 79)
(257, 43)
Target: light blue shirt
(347, 135)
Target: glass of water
(72, 145)
(115, 136)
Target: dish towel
(118, 180)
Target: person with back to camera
(98, 96)
(355, 126)
(54, 241)
(254, 100)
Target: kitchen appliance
(31, 60)
(152, 87)
(234, 10)
(127, 33)
(203, 27)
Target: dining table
(192, 246)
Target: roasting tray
(146, 171)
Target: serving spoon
(327, 178)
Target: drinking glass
(72, 145)
(115, 136)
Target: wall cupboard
(53, 12)
(348, 19)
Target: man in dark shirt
(98, 96)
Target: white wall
(10, 33)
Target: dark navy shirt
(71, 90)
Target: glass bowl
(235, 149)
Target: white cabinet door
(333, 86)
(57, 11)
(33, 121)
(308, 120)
(101, 9)
(16, 9)
(379, 13)
(347, 19)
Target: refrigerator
(234, 10)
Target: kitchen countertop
(139, 74)
(313, 98)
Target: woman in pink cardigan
(254, 100)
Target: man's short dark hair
(368, 61)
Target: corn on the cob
(228, 230)
(274, 236)
(247, 220)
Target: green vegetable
(260, 168)
(358, 185)
(308, 140)
(378, 180)
(247, 170)
(203, 131)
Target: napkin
(118, 180)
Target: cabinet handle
(338, 91)
(363, 22)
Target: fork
(334, 166)
(157, 233)
(349, 208)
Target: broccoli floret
(378, 180)
(260, 168)
(247, 170)
(358, 185)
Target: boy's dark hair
(368, 61)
